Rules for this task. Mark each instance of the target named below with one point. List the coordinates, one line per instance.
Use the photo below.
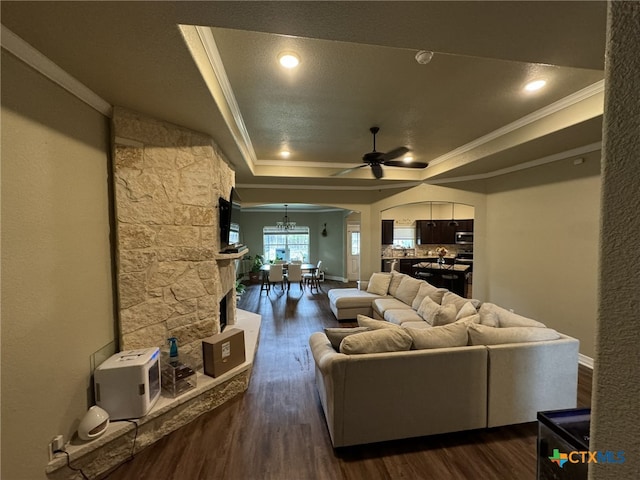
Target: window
(286, 244)
(404, 237)
(234, 234)
(355, 243)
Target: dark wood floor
(276, 429)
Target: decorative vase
(441, 260)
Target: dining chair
(264, 281)
(294, 274)
(313, 278)
(276, 275)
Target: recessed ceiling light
(285, 153)
(289, 59)
(535, 85)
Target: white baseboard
(585, 361)
(337, 279)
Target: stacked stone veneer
(167, 183)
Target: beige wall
(616, 387)
(542, 245)
(57, 304)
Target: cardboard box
(222, 352)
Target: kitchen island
(452, 276)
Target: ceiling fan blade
(395, 153)
(400, 163)
(347, 170)
(376, 168)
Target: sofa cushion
(335, 335)
(484, 335)
(379, 283)
(469, 320)
(396, 278)
(419, 325)
(495, 316)
(467, 310)
(435, 314)
(400, 316)
(381, 305)
(373, 324)
(426, 289)
(452, 335)
(351, 298)
(377, 341)
(408, 289)
(451, 298)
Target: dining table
(305, 267)
(264, 270)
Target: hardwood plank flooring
(276, 429)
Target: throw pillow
(396, 278)
(504, 318)
(451, 298)
(466, 311)
(335, 335)
(435, 314)
(453, 335)
(424, 290)
(408, 289)
(484, 335)
(373, 324)
(379, 283)
(377, 341)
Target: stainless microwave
(464, 238)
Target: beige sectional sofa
(450, 366)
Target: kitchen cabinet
(440, 232)
(387, 232)
(424, 232)
(406, 265)
(465, 226)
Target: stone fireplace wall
(170, 276)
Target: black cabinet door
(447, 233)
(406, 265)
(465, 226)
(387, 232)
(424, 232)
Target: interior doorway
(353, 252)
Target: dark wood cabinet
(387, 232)
(440, 232)
(406, 265)
(465, 226)
(424, 232)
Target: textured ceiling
(357, 70)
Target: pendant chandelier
(286, 224)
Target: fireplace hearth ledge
(116, 446)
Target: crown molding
(592, 147)
(24, 52)
(272, 186)
(555, 107)
(225, 99)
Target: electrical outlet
(55, 445)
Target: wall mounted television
(229, 211)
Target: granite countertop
(437, 266)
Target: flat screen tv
(229, 211)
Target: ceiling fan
(376, 159)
